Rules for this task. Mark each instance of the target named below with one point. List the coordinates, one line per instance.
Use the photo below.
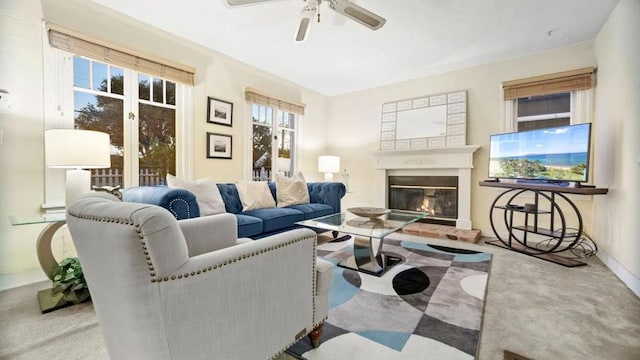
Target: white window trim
(248, 145)
(56, 65)
(184, 132)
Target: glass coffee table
(368, 237)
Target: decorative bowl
(368, 212)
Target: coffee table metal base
(368, 258)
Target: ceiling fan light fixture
(345, 7)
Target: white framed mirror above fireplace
(424, 122)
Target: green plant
(69, 280)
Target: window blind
(67, 40)
(573, 80)
(261, 98)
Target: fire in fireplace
(437, 195)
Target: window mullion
(275, 141)
(109, 78)
(131, 123)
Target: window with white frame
(100, 94)
(140, 112)
(274, 131)
(273, 142)
(549, 100)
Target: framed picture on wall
(218, 146)
(219, 111)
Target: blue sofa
(325, 200)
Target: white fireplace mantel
(442, 161)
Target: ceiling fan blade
(244, 2)
(306, 18)
(358, 14)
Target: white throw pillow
(207, 194)
(291, 191)
(255, 195)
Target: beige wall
(617, 134)
(359, 113)
(21, 154)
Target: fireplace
(438, 165)
(437, 195)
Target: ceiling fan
(310, 9)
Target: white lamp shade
(79, 149)
(328, 164)
(283, 164)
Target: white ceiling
(420, 38)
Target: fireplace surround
(452, 161)
(437, 195)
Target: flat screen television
(558, 154)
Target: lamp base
(328, 177)
(78, 183)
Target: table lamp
(328, 165)
(283, 165)
(77, 150)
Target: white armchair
(189, 289)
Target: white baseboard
(621, 272)
(12, 280)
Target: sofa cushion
(313, 210)
(248, 225)
(291, 191)
(231, 198)
(207, 194)
(276, 218)
(255, 195)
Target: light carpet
(430, 303)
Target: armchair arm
(329, 193)
(242, 302)
(209, 233)
(181, 203)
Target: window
(536, 112)
(274, 129)
(548, 100)
(141, 111)
(99, 99)
(273, 142)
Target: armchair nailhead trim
(246, 256)
(313, 278)
(313, 300)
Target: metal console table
(521, 220)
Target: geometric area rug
(428, 306)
